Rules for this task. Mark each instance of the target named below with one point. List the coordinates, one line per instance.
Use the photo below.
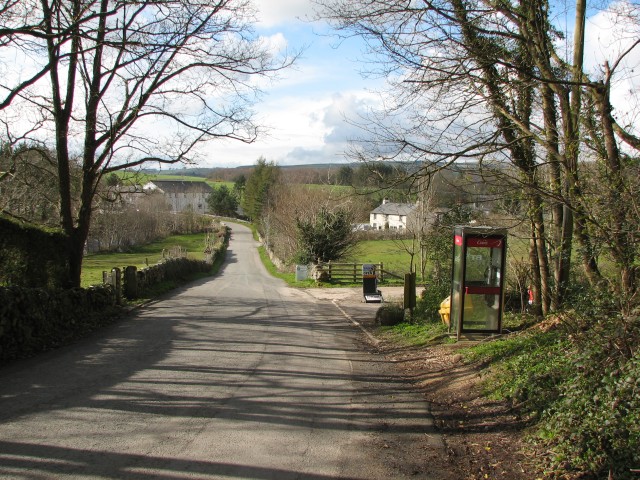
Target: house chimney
(385, 201)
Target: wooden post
(131, 282)
(381, 272)
(410, 291)
(354, 273)
(116, 281)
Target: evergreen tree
(223, 202)
(257, 187)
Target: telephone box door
(478, 279)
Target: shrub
(32, 257)
(389, 315)
(428, 304)
(579, 380)
(595, 425)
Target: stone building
(181, 195)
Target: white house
(391, 216)
(400, 216)
(181, 195)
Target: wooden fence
(349, 272)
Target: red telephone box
(477, 287)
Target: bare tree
(463, 92)
(290, 203)
(465, 77)
(120, 84)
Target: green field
(396, 259)
(142, 178)
(389, 252)
(93, 265)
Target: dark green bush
(32, 257)
(428, 304)
(389, 314)
(578, 379)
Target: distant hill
(178, 172)
(318, 173)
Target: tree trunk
(562, 239)
(541, 252)
(622, 244)
(536, 283)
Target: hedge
(37, 319)
(32, 256)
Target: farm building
(181, 195)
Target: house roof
(394, 208)
(179, 186)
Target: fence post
(116, 281)
(410, 291)
(131, 282)
(354, 273)
(330, 272)
(381, 272)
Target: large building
(181, 195)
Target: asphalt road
(236, 376)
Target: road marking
(373, 339)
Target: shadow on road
(70, 461)
(214, 357)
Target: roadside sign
(302, 272)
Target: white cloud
(302, 130)
(275, 43)
(278, 12)
(609, 34)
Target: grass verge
(290, 278)
(417, 334)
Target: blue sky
(304, 111)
